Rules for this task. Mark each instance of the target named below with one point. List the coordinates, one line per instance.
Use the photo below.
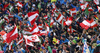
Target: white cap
(33, 5)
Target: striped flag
(70, 30)
(96, 2)
(10, 45)
(96, 17)
(30, 39)
(93, 23)
(84, 6)
(3, 35)
(40, 26)
(45, 17)
(85, 24)
(98, 9)
(46, 31)
(60, 18)
(51, 21)
(19, 4)
(72, 11)
(12, 35)
(81, 1)
(32, 16)
(68, 22)
(20, 39)
(35, 29)
(90, 9)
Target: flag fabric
(70, 30)
(96, 17)
(20, 39)
(85, 24)
(51, 21)
(68, 22)
(96, 2)
(3, 35)
(10, 45)
(93, 23)
(35, 29)
(12, 35)
(85, 47)
(30, 39)
(90, 9)
(84, 6)
(6, 18)
(32, 16)
(72, 11)
(6, 5)
(98, 9)
(88, 24)
(81, 1)
(47, 26)
(45, 17)
(60, 18)
(46, 31)
(53, 6)
(19, 4)
(40, 26)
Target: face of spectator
(64, 47)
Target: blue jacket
(77, 8)
(66, 40)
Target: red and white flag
(60, 18)
(72, 11)
(30, 39)
(84, 6)
(32, 16)
(46, 17)
(68, 22)
(3, 35)
(90, 9)
(98, 9)
(10, 45)
(35, 29)
(46, 31)
(12, 35)
(20, 39)
(96, 2)
(81, 1)
(53, 6)
(51, 21)
(85, 24)
(40, 26)
(6, 18)
(19, 4)
(93, 23)
(70, 30)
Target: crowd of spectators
(69, 42)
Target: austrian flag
(30, 39)
(98, 9)
(51, 22)
(12, 35)
(60, 18)
(84, 6)
(32, 16)
(96, 2)
(68, 22)
(46, 17)
(72, 11)
(19, 4)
